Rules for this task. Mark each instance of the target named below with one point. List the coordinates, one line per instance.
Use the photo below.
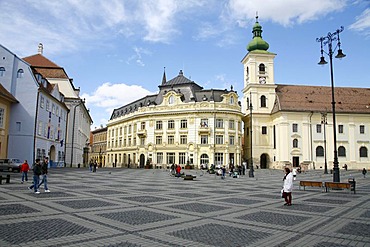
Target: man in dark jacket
(44, 169)
(36, 176)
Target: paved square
(137, 207)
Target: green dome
(257, 43)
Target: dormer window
(232, 100)
(262, 68)
(204, 98)
(171, 100)
(20, 73)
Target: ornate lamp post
(324, 122)
(328, 40)
(251, 170)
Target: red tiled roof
(45, 67)
(318, 99)
(39, 60)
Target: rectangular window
(232, 140)
(42, 102)
(39, 129)
(231, 124)
(204, 139)
(318, 128)
(134, 141)
(182, 158)
(171, 140)
(264, 130)
(204, 122)
(52, 108)
(120, 131)
(219, 159)
(142, 125)
(184, 124)
(170, 158)
(142, 141)
(219, 139)
(295, 127)
(159, 158)
(340, 129)
(158, 125)
(47, 105)
(129, 129)
(171, 124)
(18, 126)
(219, 123)
(362, 129)
(57, 111)
(158, 140)
(2, 115)
(183, 139)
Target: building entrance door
(142, 160)
(295, 161)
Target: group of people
(38, 169)
(175, 170)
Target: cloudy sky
(116, 50)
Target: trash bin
(352, 182)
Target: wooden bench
(310, 183)
(189, 177)
(7, 179)
(338, 185)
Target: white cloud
(362, 23)
(137, 57)
(284, 12)
(109, 96)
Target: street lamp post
(328, 40)
(324, 121)
(251, 170)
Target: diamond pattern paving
(355, 228)
(308, 208)
(90, 203)
(36, 230)
(366, 214)
(198, 207)
(106, 192)
(137, 217)
(16, 209)
(274, 218)
(240, 201)
(145, 199)
(220, 235)
(330, 244)
(327, 200)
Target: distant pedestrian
(94, 166)
(345, 167)
(288, 187)
(91, 165)
(24, 170)
(244, 167)
(36, 176)
(178, 170)
(223, 172)
(364, 172)
(44, 170)
(294, 173)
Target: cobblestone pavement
(135, 207)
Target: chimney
(40, 48)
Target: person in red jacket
(24, 170)
(178, 170)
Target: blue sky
(115, 50)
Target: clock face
(262, 80)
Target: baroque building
(292, 125)
(182, 124)
(76, 142)
(98, 144)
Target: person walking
(364, 172)
(36, 176)
(44, 170)
(24, 170)
(223, 172)
(288, 187)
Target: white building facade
(292, 125)
(183, 124)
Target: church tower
(259, 85)
(258, 99)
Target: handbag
(282, 193)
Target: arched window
(232, 101)
(363, 152)
(204, 160)
(263, 101)
(342, 151)
(262, 68)
(2, 71)
(20, 73)
(295, 143)
(171, 100)
(319, 151)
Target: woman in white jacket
(288, 187)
